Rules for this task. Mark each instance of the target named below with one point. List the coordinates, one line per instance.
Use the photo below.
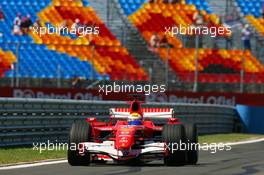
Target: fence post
(17, 65)
(195, 86)
(58, 76)
(93, 48)
(242, 72)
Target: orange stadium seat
(7, 59)
(258, 23)
(154, 17)
(110, 57)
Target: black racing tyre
(191, 140)
(174, 134)
(80, 132)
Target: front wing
(107, 148)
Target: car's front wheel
(173, 136)
(80, 132)
(192, 141)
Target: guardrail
(24, 121)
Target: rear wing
(148, 113)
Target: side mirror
(173, 120)
(91, 120)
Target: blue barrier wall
(252, 118)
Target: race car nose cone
(124, 142)
(125, 138)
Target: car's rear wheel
(192, 140)
(173, 136)
(80, 132)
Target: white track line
(64, 161)
(236, 143)
(246, 142)
(32, 164)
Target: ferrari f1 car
(131, 136)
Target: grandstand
(121, 51)
(252, 11)
(40, 55)
(183, 60)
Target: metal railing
(25, 121)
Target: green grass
(225, 138)
(17, 155)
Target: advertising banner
(168, 96)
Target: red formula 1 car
(133, 138)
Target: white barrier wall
(24, 121)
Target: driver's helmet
(134, 119)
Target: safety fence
(24, 121)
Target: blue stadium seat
(131, 6)
(251, 7)
(37, 61)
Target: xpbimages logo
(197, 30)
(81, 31)
(147, 89)
(172, 147)
(188, 146)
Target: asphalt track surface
(241, 160)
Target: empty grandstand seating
(253, 12)
(37, 61)
(131, 6)
(251, 7)
(258, 23)
(102, 56)
(154, 17)
(69, 56)
(200, 4)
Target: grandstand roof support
(17, 64)
(93, 73)
(242, 72)
(167, 66)
(195, 85)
